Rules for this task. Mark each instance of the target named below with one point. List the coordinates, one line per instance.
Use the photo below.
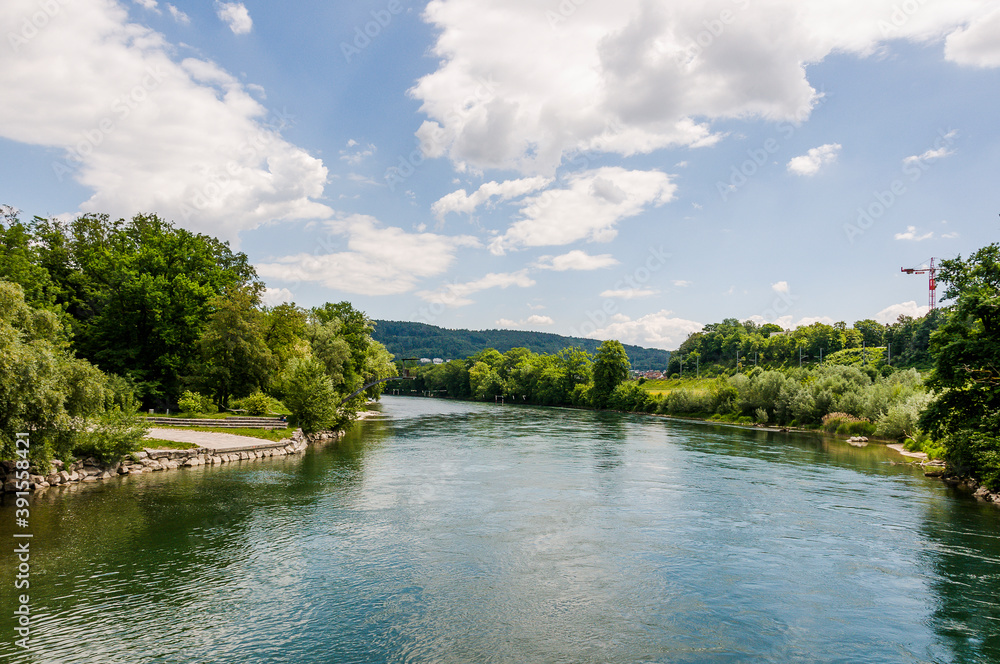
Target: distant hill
(404, 339)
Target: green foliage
(405, 339)
(901, 420)
(610, 369)
(235, 355)
(309, 394)
(258, 404)
(44, 391)
(114, 434)
(196, 404)
(965, 412)
(628, 396)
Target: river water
(460, 532)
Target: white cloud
(786, 323)
(145, 133)
(462, 202)
(151, 5)
(932, 154)
(379, 260)
(588, 207)
(814, 159)
(657, 330)
(911, 234)
(575, 260)
(235, 15)
(272, 297)
(457, 294)
(894, 311)
(780, 287)
(949, 236)
(682, 283)
(520, 85)
(354, 153)
(178, 15)
(629, 293)
(533, 320)
(977, 44)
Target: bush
(256, 404)
(859, 428)
(309, 394)
(194, 403)
(628, 396)
(118, 431)
(901, 419)
(831, 422)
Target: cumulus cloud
(575, 260)
(780, 287)
(656, 330)
(814, 159)
(151, 5)
(682, 283)
(379, 260)
(143, 132)
(462, 202)
(354, 153)
(235, 15)
(520, 86)
(976, 44)
(588, 206)
(891, 313)
(629, 293)
(911, 234)
(457, 294)
(272, 297)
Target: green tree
(965, 413)
(236, 358)
(308, 393)
(611, 367)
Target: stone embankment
(154, 460)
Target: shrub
(901, 419)
(257, 403)
(761, 415)
(196, 404)
(832, 421)
(118, 431)
(859, 428)
(309, 394)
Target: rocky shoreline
(154, 460)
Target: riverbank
(212, 449)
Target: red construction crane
(931, 271)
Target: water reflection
(451, 532)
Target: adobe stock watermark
(121, 108)
(596, 318)
(900, 16)
(564, 10)
(782, 304)
(220, 181)
(883, 199)
(363, 35)
(446, 297)
(713, 29)
(32, 25)
(757, 158)
(407, 165)
(22, 540)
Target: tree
(308, 392)
(236, 358)
(611, 367)
(965, 413)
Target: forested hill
(404, 339)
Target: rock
(90, 478)
(982, 493)
(171, 465)
(63, 477)
(934, 473)
(57, 464)
(74, 476)
(244, 456)
(123, 470)
(106, 475)
(142, 455)
(52, 479)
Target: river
(459, 532)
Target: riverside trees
(171, 311)
(965, 413)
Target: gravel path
(211, 440)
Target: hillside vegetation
(405, 339)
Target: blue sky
(627, 170)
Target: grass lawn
(157, 444)
(264, 434)
(669, 385)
